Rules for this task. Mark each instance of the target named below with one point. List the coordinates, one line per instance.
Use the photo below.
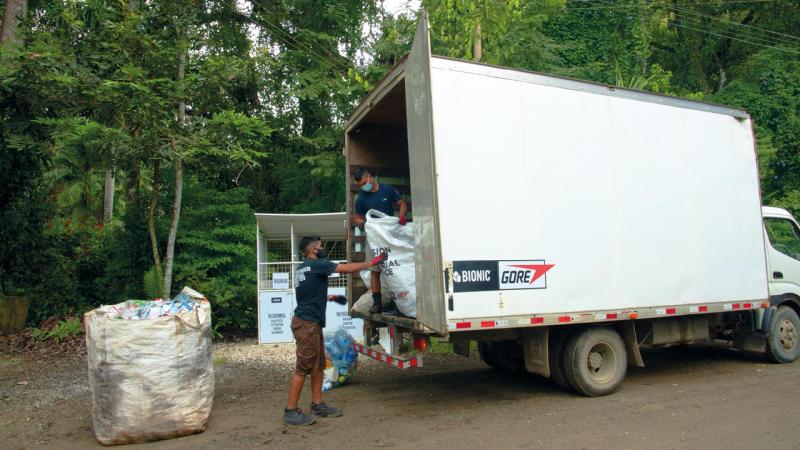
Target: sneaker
(375, 308)
(323, 410)
(296, 417)
(391, 310)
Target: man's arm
(359, 212)
(357, 267)
(401, 204)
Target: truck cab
(782, 235)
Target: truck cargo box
(540, 200)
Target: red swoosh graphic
(538, 269)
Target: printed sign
(275, 317)
(337, 316)
(472, 276)
(276, 309)
(280, 280)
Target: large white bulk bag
(398, 280)
(150, 379)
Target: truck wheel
(488, 354)
(595, 361)
(510, 357)
(555, 356)
(783, 342)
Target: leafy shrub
(65, 329)
(215, 253)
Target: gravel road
(698, 397)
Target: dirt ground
(698, 397)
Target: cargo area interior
(378, 143)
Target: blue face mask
(367, 187)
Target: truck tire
(595, 361)
(783, 345)
(555, 356)
(510, 357)
(488, 354)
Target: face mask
(321, 253)
(367, 187)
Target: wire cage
(280, 260)
(278, 239)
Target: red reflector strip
(703, 308)
(487, 323)
(736, 306)
(413, 363)
(563, 319)
(748, 305)
(536, 320)
(611, 316)
(389, 359)
(670, 310)
(461, 325)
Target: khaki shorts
(310, 346)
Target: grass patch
(219, 361)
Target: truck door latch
(777, 275)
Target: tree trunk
(87, 203)
(477, 44)
(132, 178)
(15, 11)
(173, 228)
(176, 206)
(108, 197)
(151, 217)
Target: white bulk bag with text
(398, 282)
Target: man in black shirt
(381, 197)
(311, 293)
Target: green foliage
(72, 271)
(768, 86)
(216, 255)
(153, 283)
(82, 150)
(511, 31)
(65, 329)
(267, 91)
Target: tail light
(421, 343)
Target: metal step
(399, 361)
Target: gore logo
(523, 274)
(515, 276)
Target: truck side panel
(623, 203)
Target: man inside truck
(311, 292)
(382, 197)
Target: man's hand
(403, 220)
(340, 299)
(378, 259)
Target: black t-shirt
(311, 289)
(383, 200)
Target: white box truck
(564, 224)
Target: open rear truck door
(422, 165)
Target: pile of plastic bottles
(149, 309)
(342, 359)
